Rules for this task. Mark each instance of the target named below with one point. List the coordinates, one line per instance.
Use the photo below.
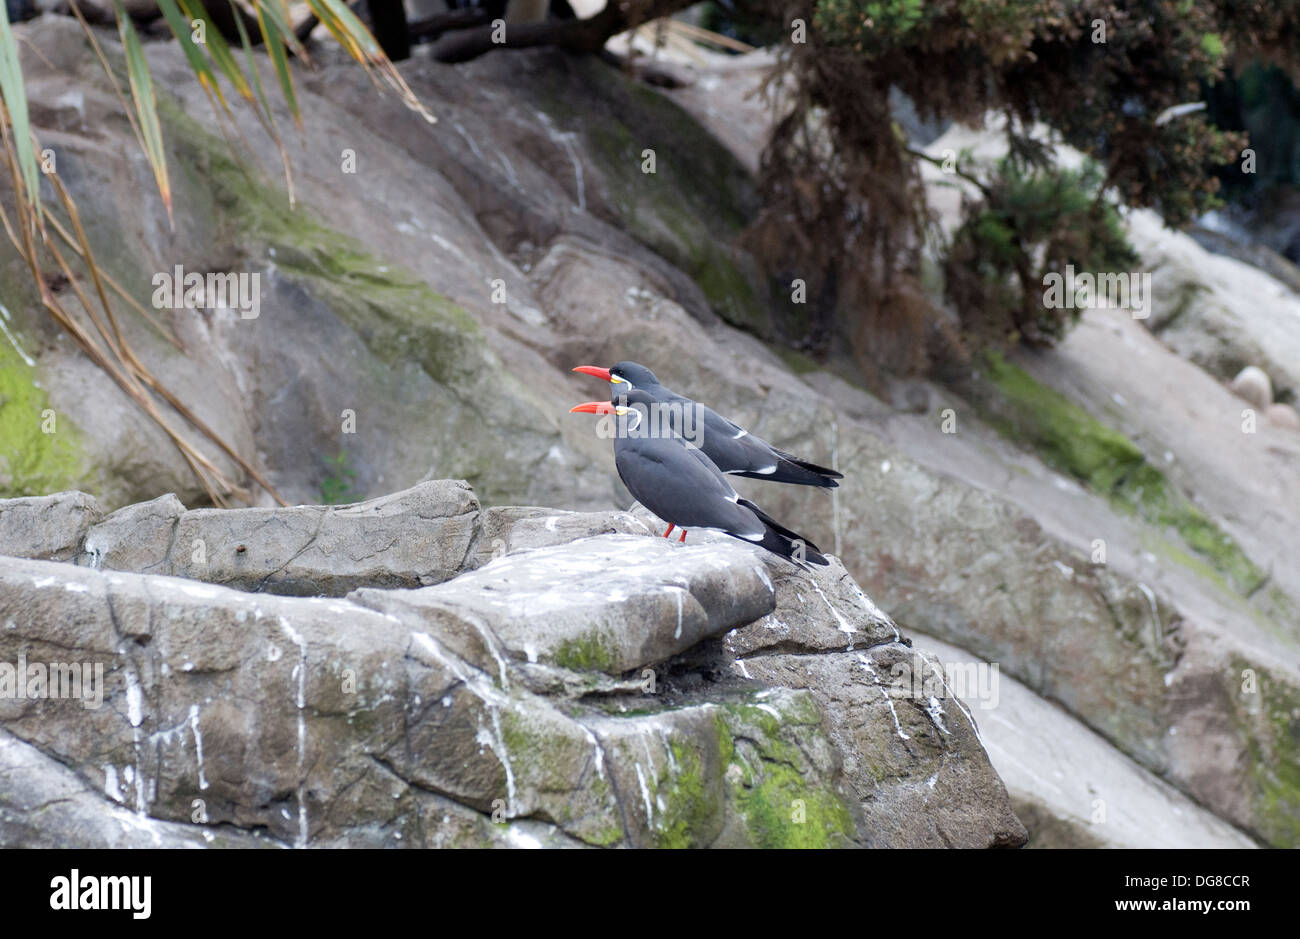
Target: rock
(886, 731)
(414, 537)
(299, 716)
(610, 603)
(46, 527)
(134, 538)
(506, 530)
(1068, 784)
(961, 534)
(409, 717)
(1252, 384)
(44, 804)
(1283, 415)
(411, 538)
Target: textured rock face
(48, 527)
(418, 536)
(1068, 785)
(612, 689)
(961, 534)
(612, 603)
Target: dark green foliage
(1030, 222)
(845, 205)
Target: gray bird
(681, 485)
(731, 448)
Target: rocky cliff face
(565, 679)
(1091, 520)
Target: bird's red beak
(595, 372)
(593, 407)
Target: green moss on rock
(1072, 441)
(591, 651)
(33, 462)
(689, 805)
(782, 802)
(1272, 733)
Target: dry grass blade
(112, 78)
(135, 304)
(146, 105)
(209, 58)
(202, 69)
(273, 37)
(111, 353)
(209, 476)
(127, 354)
(353, 36)
(708, 36)
(269, 121)
(217, 48)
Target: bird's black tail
(791, 469)
(780, 540)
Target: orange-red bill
(595, 371)
(593, 407)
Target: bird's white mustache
(654, 420)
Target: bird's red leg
(669, 531)
(683, 537)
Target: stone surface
(1068, 784)
(417, 536)
(467, 713)
(1283, 415)
(531, 178)
(44, 804)
(610, 603)
(1252, 384)
(134, 538)
(47, 527)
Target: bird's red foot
(683, 537)
(670, 530)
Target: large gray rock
(611, 603)
(417, 536)
(466, 713)
(44, 804)
(509, 529)
(46, 527)
(134, 538)
(1069, 786)
(411, 538)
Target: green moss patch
(1072, 441)
(782, 801)
(585, 653)
(32, 462)
(1273, 737)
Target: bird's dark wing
(681, 486)
(737, 451)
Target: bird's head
(629, 407)
(624, 376)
